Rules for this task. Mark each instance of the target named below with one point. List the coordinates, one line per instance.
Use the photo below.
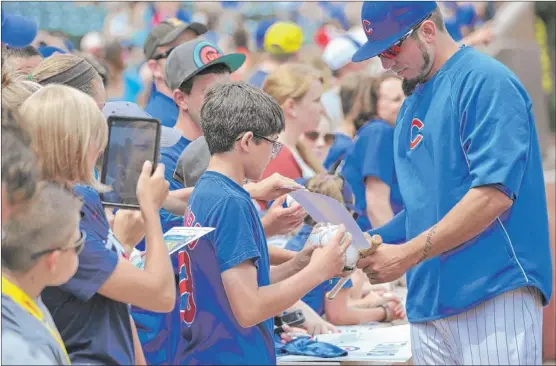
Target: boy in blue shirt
(229, 293)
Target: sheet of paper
(326, 209)
(178, 237)
(175, 239)
(385, 345)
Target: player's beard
(409, 85)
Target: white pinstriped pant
(505, 330)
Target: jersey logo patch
(415, 137)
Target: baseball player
(474, 230)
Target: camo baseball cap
(167, 32)
(190, 58)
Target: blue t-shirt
(257, 78)
(159, 332)
(209, 326)
(341, 146)
(472, 125)
(162, 107)
(372, 156)
(315, 297)
(95, 329)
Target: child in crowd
(229, 292)
(341, 310)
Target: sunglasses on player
(396, 48)
(328, 138)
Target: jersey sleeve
(234, 237)
(377, 153)
(394, 231)
(97, 261)
(495, 130)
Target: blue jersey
(257, 78)
(209, 326)
(95, 329)
(315, 297)
(472, 125)
(341, 146)
(158, 333)
(372, 156)
(162, 107)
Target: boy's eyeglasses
(396, 48)
(329, 138)
(276, 146)
(78, 247)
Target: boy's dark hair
(19, 170)
(231, 109)
(217, 69)
(24, 52)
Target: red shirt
(284, 164)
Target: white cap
(91, 41)
(339, 51)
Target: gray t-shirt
(25, 340)
(193, 162)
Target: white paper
(178, 237)
(387, 345)
(326, 209)
(175, 239)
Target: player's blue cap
(18, 31)
(386, 22)
(47, 51)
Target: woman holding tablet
(92, 309)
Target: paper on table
(326, 209)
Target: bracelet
(388, 313)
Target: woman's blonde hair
(16, 88)
(291, 80)
(63, 122)
(311, 55)
(55, 65)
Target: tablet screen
(130, 144)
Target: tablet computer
(131, 142)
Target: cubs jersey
(211, 331)
(472, 125)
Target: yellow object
(283, 38)
(19, 297)
(545, 58)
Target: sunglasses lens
(312, 135)
(329, 138)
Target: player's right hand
(152, 190)
(329, 260)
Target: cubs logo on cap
(205, 53)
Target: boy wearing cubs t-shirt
(229, 293)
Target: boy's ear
(181, 99)
(246, 141)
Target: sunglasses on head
(396, 48)
(78, 247)
(329, 138)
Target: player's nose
(387, 63)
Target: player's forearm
(476, 211)
(274, 299)
(279, 256)
(393, 231)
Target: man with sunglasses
(474, 230)
(40, 248)
(161, 41)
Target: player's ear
(181, 99)
(428, 30)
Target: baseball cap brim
(178, 31)
(234, 61)
(18, 31)
(374, 48)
